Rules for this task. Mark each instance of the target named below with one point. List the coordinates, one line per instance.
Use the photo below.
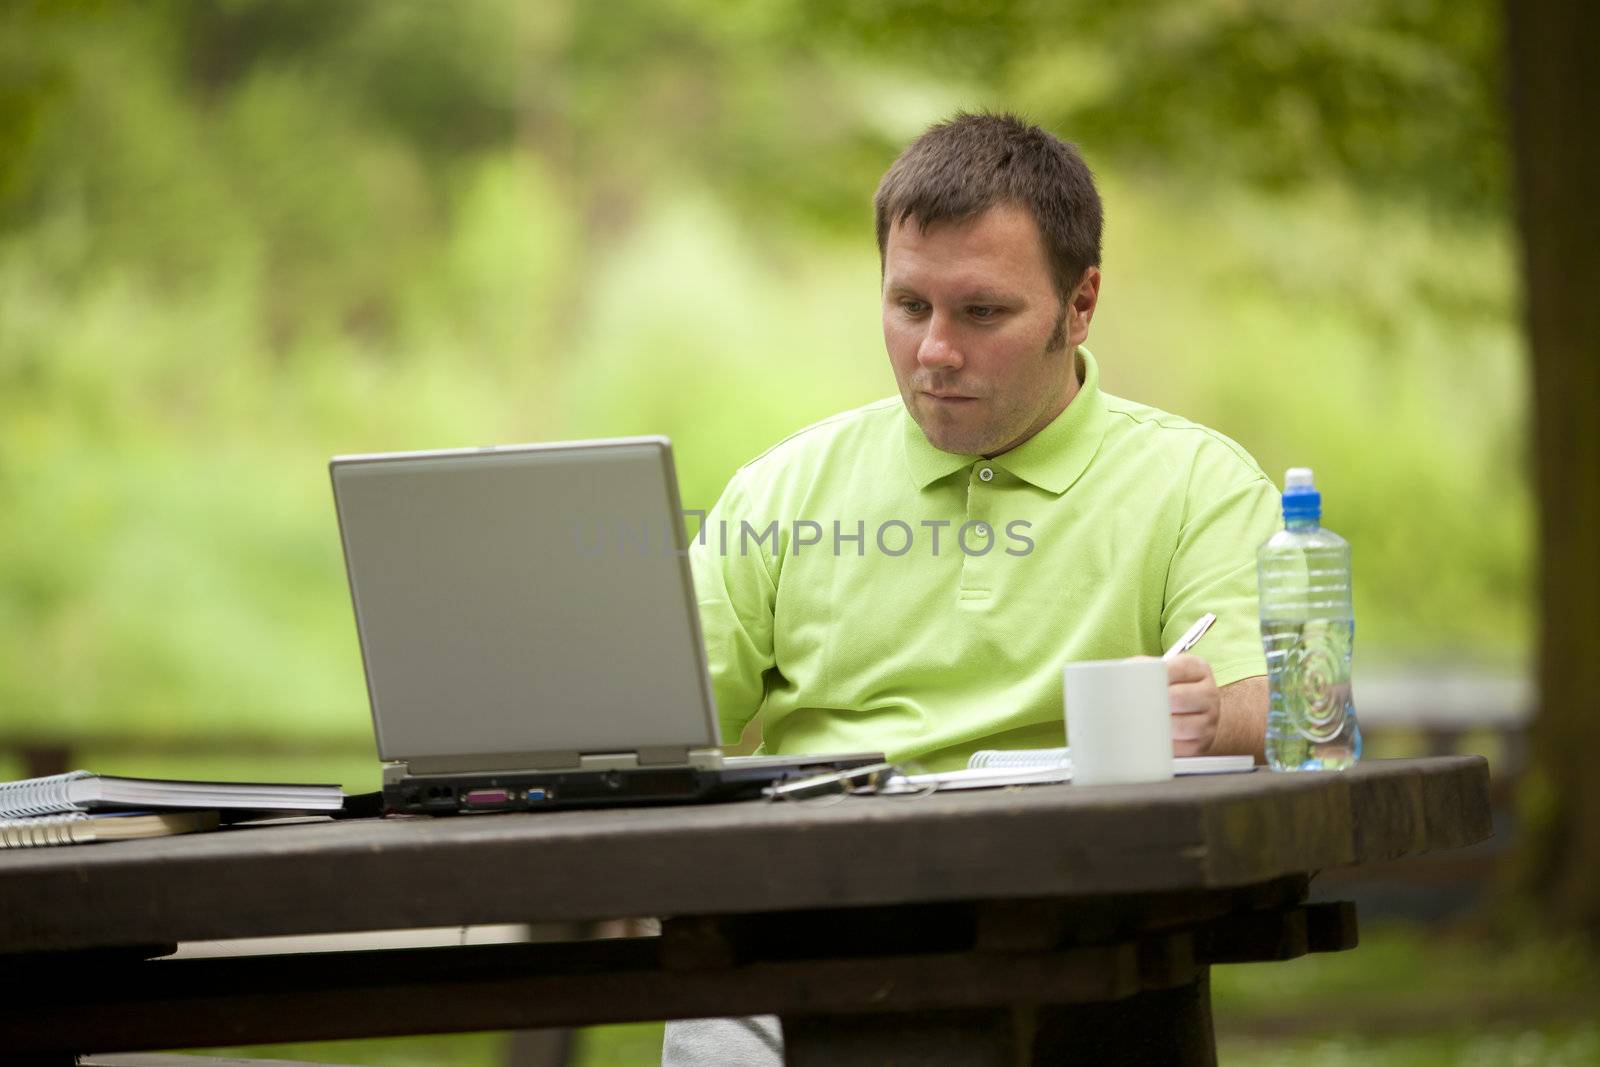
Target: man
(913, 575)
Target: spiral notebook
(76, 828)
(80, 791)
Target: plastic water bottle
(1307, 627)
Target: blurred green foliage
(239, 237)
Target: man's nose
(938, 349)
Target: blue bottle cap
(1301, 501)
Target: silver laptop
(529, 630)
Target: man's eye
(913, 307)
(983, 311)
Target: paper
(995, 776)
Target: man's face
(980, 342)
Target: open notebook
(1062, 757)
(1037, 766)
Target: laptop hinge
(651, 756)
(648, 756)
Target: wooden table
(1034, 925)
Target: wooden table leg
(1161, 1028)
(970, 1038)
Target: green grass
(600, 1046)
(1515, 1047)
(443, 1050)
(1413, 996)
(1403, 971)
(619, 1046)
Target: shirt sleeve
(736, 592)
(1214, 569)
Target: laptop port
(485, 798)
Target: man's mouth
(947, 397)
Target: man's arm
(736, 595)
(1242, 726)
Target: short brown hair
(962, 168)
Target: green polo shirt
(862, 590)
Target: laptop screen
(524, 599)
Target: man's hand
(1196, 705)
(1207, 721)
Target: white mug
(1119, 725)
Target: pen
(855, 779)
(1190, 636)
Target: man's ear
(1080, 306)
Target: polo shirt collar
(927, 463)
(1051, 459)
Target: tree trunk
(1554, 54)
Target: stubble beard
(1000, 431)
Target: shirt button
(985, 474)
